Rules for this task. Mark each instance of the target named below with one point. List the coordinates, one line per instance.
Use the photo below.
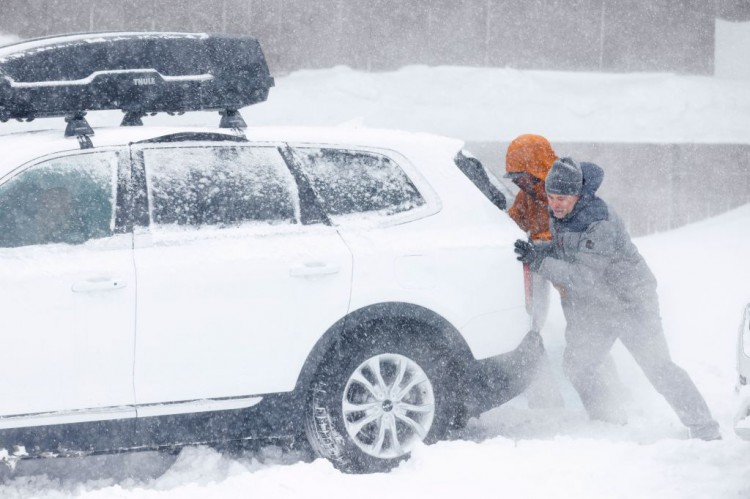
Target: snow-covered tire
(372, 402)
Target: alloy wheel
(388, 405)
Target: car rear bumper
(496, 380)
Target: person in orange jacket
(528, 160)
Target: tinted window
(63, 200)
(355, 182)
(219, 186)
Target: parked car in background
(174, 286)
(742, 420)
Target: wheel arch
(414, 319)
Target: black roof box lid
(139, 73)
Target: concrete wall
(591, 35)
(656, 187)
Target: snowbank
(494, 104)
(8, 39)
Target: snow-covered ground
(512, 451)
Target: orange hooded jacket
(532, 154)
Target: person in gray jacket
(608, 292)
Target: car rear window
(350, 182)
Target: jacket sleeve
(586, 264)
(531, 216)
(518, 211)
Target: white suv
(174, 286)
(163, 287)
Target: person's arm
(595, 251)
(518, 210)
(530, 215)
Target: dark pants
(590, 336)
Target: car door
(233, 290)
(67, 300)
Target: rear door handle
(310, 269)
(98, 284)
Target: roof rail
(138, 73)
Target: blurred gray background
(607, 35)
(655, 186)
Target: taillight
(527, 287)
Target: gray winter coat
(594, 264)
(608, 292)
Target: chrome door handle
(102, 284)
(310, 269)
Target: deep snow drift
(497, 104)
(513, 451)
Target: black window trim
(124, 194)
(139, 194)
(433, 204)
(194, 137)
(311, 207)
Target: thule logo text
(144, 81)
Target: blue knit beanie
(564, 178)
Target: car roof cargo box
(139, 73)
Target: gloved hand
(527, 253)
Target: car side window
(67, 200)
(219, 186)
(357, 182)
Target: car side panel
(235, 316)
(468, 278)
(458, 262)
(68, 306)
(229, 309)
(67, 340)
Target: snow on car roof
(362, 136)
(21, 147)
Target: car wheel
(370, 405)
